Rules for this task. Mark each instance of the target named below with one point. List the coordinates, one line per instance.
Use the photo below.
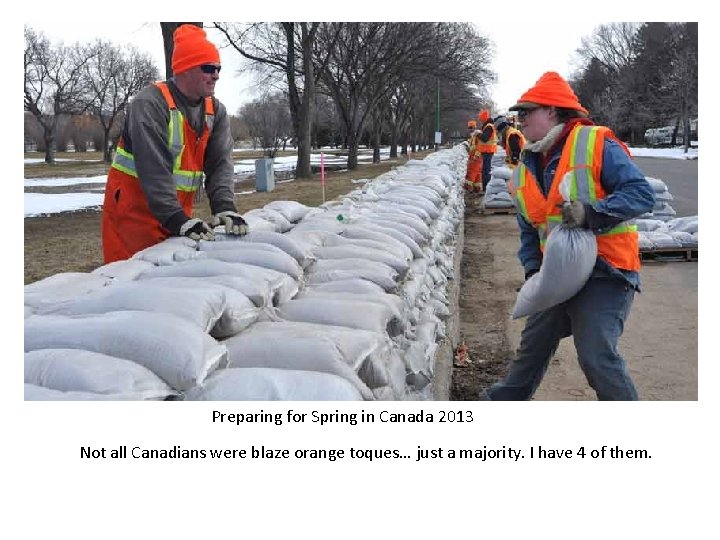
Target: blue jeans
(595, 317)
(486, 167)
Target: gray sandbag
(282, 241)
(63, 286)
(34, 392)
(334, 269)
(395, 326)
(275, 258)
(350, 312)
(72, 370)
(349, 252)
(126, 270)
(356, 355)
(293, 211)
(688, 224)
(283, 286)
(257, 291)
(568, 261)
(350, 286)
(199, 306)
(172, 348)
(268, 384)
(281, 223)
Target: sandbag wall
(346, 301)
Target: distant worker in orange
(486, 145)
(474, 164)
(511, 139)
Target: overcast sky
(517, 65)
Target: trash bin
(264, 174)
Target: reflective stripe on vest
(185, 180)
(581, 161)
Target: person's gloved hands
(196, 229)
(573, 214)
(233, 222)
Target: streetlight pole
(437, 117)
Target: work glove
(196, 229)
(233, 222)
(573, 214)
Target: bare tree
(611, 44)
(268, 121)
(682, 79)
(112, 77)
(287, 49)
(53, 83)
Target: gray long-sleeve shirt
(145, 135)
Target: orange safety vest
(581, 158)
(489, 147)
(128, 225)
(506, 143)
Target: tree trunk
(377, 133)
(49, 137)
(301, 110)
(393, 141)
(107, 147)
(168, 28)
(352, 142)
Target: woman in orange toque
(607, 191)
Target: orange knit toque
(484, 115)
(550, 90)
(472, 124)
(192, 48)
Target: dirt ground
(70, 241)
(659, 342)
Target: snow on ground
(50, 203)
(33, 161)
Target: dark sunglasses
(210, 69)
(522, 113)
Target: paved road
(681, 178)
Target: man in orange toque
(176, 135)
(607, 191)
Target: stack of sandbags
(662, 209)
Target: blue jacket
(629, 196)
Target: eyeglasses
(524, 113)
(210, 69)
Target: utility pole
(438, 137)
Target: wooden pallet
(507, 211)
(669, 254)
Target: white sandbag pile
(662, 210)
(344, 301)
(676, 233)
(496, 191)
